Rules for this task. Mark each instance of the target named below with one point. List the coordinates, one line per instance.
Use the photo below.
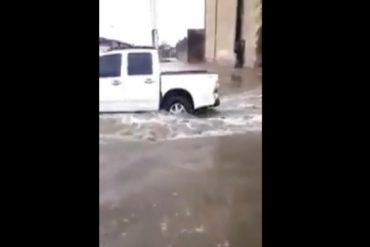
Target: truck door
(142, 87)
(111, 88)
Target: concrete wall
(210, 13)
(251, 23)
(220, 31)
(225, 35)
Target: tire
(174, 102)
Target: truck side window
(140, 64)
(110, 65)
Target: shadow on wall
(259, 47)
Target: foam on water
(237, 114)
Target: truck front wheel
(178, 105)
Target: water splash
(237, 114)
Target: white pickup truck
(130, 80)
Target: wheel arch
(176, 92)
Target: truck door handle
(116, 83)
(149, 81)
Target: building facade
(230, 23)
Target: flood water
(189, 181)
(238, 113)
(188, 192)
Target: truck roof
(125, 50)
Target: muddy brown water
(196, 192)
(193, 192)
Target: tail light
(217, 85)
(215, 91)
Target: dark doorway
(259, 47)
(239, 45)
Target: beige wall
(223, 37)
(210, 11)
(252, 21)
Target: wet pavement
(192, 192)
(183, 181)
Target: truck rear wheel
(178, 105)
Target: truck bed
(178, 67)
(185, 72)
